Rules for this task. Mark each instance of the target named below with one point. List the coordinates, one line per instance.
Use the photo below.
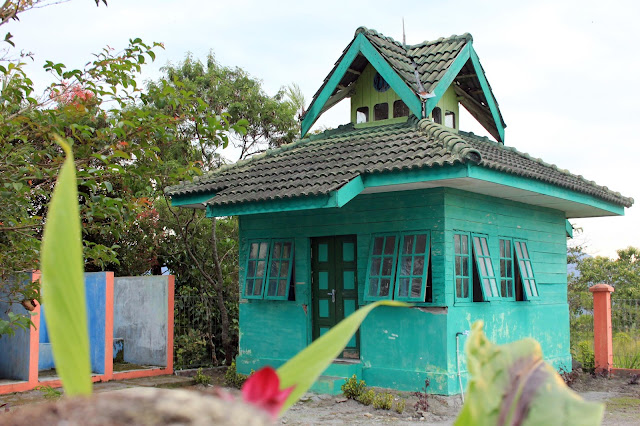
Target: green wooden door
(335, 290)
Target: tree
(101, 112)
(271, 120)
(622, 273)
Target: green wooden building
(400, 204)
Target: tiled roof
(431, 60)
(323, 163)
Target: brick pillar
(602, 332)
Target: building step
(335, 375)
(344, 368)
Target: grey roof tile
(320, 164)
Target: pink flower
(262, 389)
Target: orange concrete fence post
(602, 331)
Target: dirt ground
(622, 402)
(622, 406)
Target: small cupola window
(400, 109)
(362, 115)
(450, 119)
(436, 114)
(381, 111)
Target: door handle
(333, 295)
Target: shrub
(201, 378)
(586, 356)
(353, 388)
(422, 405)
(232, 378)
(400, 406)
(383, 401)
(366, 397)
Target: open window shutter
(413, 264)
(486, 271)
(381, 267)
(279, 271)
(525, 267)
(256, 269)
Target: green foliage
(626, 350)
(49, 392)
(63, 283)
(232, 378)
(201, 378)
(400, 406)
(367, 397)
(353, 388)
(190, 348)
(304, 368)
(383, 401)
(585, 355)
(511, 384)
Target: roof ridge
(540, 161)
(450, 140)
(369, 31)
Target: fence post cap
(601, 288)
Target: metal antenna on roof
(404, 37)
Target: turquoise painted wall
(401, 347)
(546, 319)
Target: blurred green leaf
(512, 385)
(63, 282)
(303, 369)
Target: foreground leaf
(304, 368)
(63, 282)
(512, 385)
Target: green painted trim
(316, 107)
(414, 176)
(395, 81)
(448, 78)
(348, 192)
(271, 206)
(487, 93)
(191, 199)
(361, 45)
(380, 122)
(489, 175)
(569, 228)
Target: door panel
(334, 289)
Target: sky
(562, 71)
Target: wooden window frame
(394, 283)
(436, 115)
(486, 267)
(279, 277)
(504, 257)
(425, 267)
(522, 255)
(465, 258)
(379, 276)
(267, 269)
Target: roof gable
(420, 74)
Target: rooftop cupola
(387, 81)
